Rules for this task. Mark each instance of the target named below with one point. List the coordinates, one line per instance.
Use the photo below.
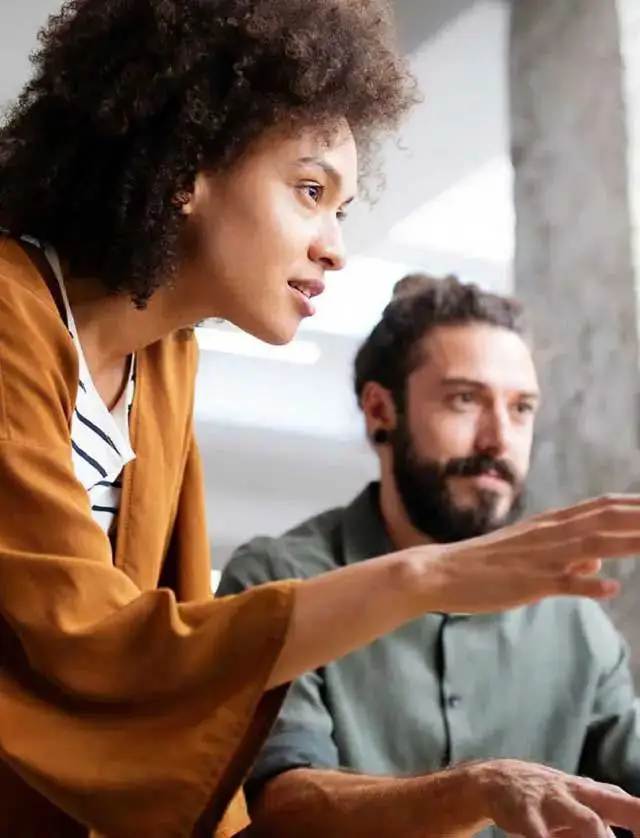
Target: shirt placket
(455, 699)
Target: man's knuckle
(614, 789)
(589, 819)
(531, 813)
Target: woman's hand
(556, 553)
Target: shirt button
(454, 701)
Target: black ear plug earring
(380, 436)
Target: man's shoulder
(308, 549)
(582, 621)
(571, 610)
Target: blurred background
(519, 171)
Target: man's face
(461, 450)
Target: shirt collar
(363, 532)
(364, 535)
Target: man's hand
(534, 801)
(558, 553)
(521, 798)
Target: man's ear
(379, 411)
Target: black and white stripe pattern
(99, 438)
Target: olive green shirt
(548, 683)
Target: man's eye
(462, 399)
(525, 407)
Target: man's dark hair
(421, 303)
(131, 98)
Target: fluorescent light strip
(239, 343)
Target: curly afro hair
(131, 98)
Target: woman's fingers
(622, 521)
(593, 587)
(583, 507)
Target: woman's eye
(313, 191)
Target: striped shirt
(100, 441)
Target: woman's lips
(304, 290)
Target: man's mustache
(481, 464)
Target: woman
(174, 160)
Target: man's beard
(424, 490)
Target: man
(449, 392)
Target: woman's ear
(183, 200)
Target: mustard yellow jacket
(131, 702)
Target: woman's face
(261, 235)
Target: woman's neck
(111, 328)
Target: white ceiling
(282, 440)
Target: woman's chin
(276, 332)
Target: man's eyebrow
(460, 381)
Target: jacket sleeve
(302, 735)
(127, 709)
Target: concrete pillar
(574, 260)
